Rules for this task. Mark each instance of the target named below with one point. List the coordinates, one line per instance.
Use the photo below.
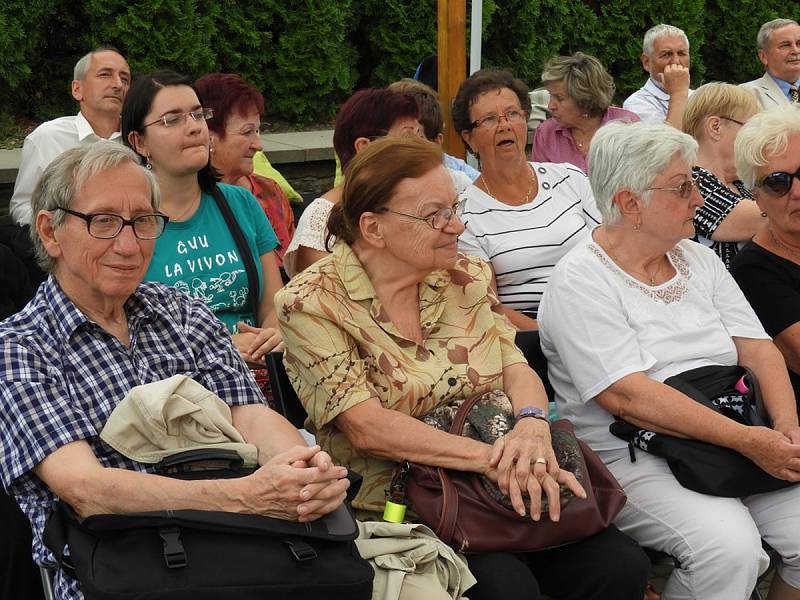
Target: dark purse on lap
(704, 467)
(208, 555)
(469, 513)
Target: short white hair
(79, 72)
(631, 156)
(763, 136)
(63, 179)
(765, 32)
(659, 31)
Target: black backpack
(205, 555)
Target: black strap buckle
(301, 550)
(174, 552)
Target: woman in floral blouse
(396, 322)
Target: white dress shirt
(649, 102)
(43, 145)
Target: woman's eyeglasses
(491, 121)
(437, 220)
(779, 183)
(173, 119)
(684, 190)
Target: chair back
(528, 342)
(286, 401)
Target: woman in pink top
(581, 91)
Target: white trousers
(717, 541)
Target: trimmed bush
(307, 56)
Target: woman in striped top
(521, 217)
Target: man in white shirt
(665, 56)
(101, 80)
(779, 51)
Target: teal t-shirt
(199, 256)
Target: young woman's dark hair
(137, 104)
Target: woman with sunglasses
(164, 122)
(768, 268)
(520, 217)
(728, 218)
(636, 303)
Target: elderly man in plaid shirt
(94, 331)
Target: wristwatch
(532, 411)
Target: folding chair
(283, 394)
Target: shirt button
(452, 381)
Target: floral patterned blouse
(342, 349)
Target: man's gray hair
(631, 156)
(660, 31)
(763, 136)
(79, 72)
(65, 177)
(765, 32)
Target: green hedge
(308, 55)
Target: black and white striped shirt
(525, 242)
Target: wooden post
(451, 24)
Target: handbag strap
(244, 250)
(460, 418)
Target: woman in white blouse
(637, 302)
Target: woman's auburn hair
(372, 177)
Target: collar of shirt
(85, 130)
(69, 317)
(359, 287)
(785, 86)
(654, 88)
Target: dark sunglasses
(779, 183)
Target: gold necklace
(189, 210)
(528, 196)
(780, 244)
(651, 278)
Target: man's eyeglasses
(105, 226)
(173, 119)
(437, 220)
(732, 120)
(684, 190)
(779, 183)
(491, 121)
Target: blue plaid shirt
(62, 376)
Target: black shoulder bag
(208, 555)
(704, 467)
(244, 251)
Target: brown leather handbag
(468, 515)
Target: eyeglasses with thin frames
(106, 226)
(173, 119)
(438, 220)
(491, 121)
(684, 190)
(732, 120)
(779, 183)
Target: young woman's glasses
(437, 220)
(105, 226)
(779, 183)
(173, 119)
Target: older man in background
(100, 82)
(665, 56)
(779, 51)
(94, 331)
